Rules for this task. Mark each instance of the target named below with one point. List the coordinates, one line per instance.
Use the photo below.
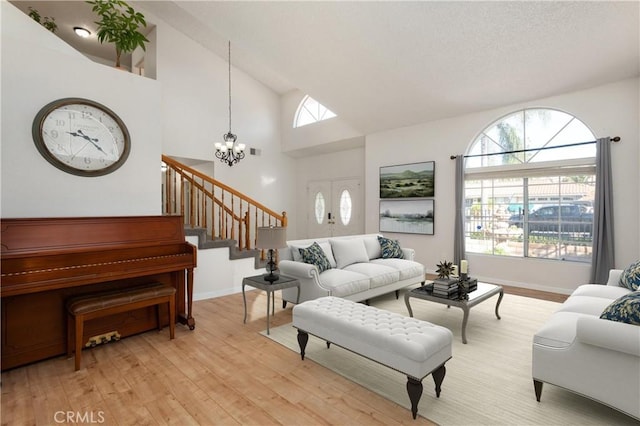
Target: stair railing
(207, 203)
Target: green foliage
(119, 24)
(47, 22)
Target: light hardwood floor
(223, 372)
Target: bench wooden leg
(70, 327)
(303, 338)
(414, 389)
(158, 317)
(172, 317)
(438, 377)
(78, 338)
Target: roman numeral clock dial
(81, 137)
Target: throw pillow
(390, 248)
(315, 256)
(349, 251)
(326, 247)
(630, 277)
(624, 309)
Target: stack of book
(446, 287)
(471, 284)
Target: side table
(258, 281)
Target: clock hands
(79, 133)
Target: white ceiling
(383, 65)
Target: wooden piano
(46, 261)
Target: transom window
(311, 111)
(529, 187)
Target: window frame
(323, 113)
(491, 178)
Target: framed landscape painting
(414, 180)
(407, 216)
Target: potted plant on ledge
(119, 24)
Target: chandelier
(229, 152)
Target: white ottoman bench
(413, 347)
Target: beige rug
(488, 380)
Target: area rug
(488, 380)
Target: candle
(463, 267)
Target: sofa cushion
(372, 245)
(380, 275)
(343, 283)
(630, 277)
(315, 256)
(390, 248)
(349, 251)
(589, 305)
(326, 247)
(624, 309)
(408, 268)
(599, 290)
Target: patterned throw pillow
(390, 248)
(315, 256)
(624, 309)
(630, 277)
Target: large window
(311, 111)
(529, 187)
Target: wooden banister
(207, 203)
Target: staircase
(219, 215)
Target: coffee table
(483, 292)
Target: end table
(259, 282)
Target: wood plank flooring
(223, 373)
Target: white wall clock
(81, 137)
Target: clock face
(81, 137)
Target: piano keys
(45, 261)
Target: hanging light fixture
(230, 152)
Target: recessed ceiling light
(82, 32)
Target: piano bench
(84, 308)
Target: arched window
(529, 187)
(311, 111)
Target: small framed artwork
(414, 180)
(407, 216)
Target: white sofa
(594, 357)
(357, 270)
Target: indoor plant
(119, 24)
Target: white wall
(37, 68)
(195, 116)
(610, 110)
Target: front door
(334, 207)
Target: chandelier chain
(229, 86)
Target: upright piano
(46, 261)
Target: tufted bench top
(406, 344)
(125, 296)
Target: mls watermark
(82, 417)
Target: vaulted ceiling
(384, 65)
